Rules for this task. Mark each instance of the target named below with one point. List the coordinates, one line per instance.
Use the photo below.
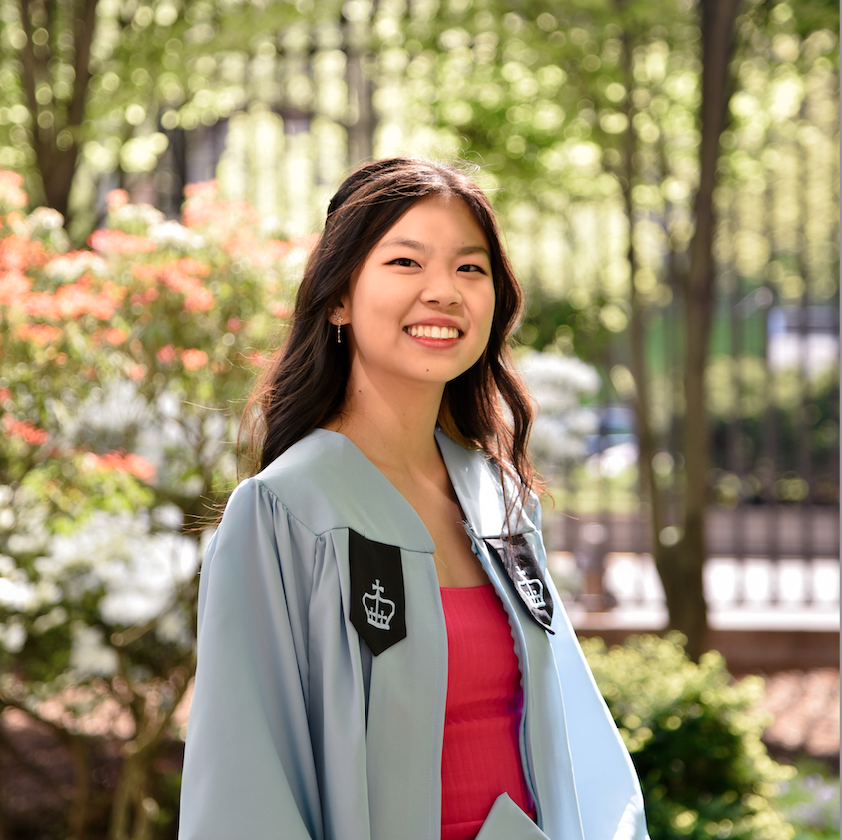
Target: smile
(426, 331)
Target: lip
(436, 322)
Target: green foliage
(811, 801)
(573, 325)
(694, 738)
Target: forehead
(439, 219)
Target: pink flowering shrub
(122, 371)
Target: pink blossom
(201, 189)
(190, 266)
(166, 354)
(17, 253)
(11, 194)
(306, 242)
(14, 288)
(193, 359)
(198, 300)
(118, 242)
(116, 199)
(40, 334)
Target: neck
(392, 423)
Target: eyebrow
(420, 246)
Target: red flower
(136, 465)
(24, 429)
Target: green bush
(694, 737)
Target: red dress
(481, 749)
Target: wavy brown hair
(486, 407)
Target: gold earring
(338, 315)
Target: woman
(381, 654)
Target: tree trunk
(56, 143)
(681, 569)
(129, 819)
(361, 119)
(637, 321)
(80, 803)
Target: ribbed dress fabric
(481, 752)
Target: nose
(441, 289)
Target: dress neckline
(465, 588)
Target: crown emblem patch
(378, 604)
(521, 566)
(378, 610)
(531, 590)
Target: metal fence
(773, 527)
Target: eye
(404, 262)
(472, 267)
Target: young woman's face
(421, 304)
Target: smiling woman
(381, 651)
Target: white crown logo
(378, 611)
(532, 588)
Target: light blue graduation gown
(298, 732)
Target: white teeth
(426, 331)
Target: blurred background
(666, 174)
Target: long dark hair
(304, 386)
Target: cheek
(489, 304)
(377, 306)
(484, 305)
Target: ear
(338, 315)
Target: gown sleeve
(249, 767)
